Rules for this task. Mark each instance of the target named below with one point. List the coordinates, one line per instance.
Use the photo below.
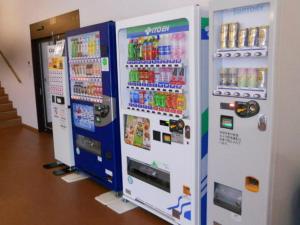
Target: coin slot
(252, 184)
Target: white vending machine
(254, 159)
(60, 105)
(163, 88)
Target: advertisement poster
(83, 116)
(137, 131)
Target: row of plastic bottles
(91, 69)
(93, 88)
(159, 47)
(174, 76)
(87, 45)
(152, 99)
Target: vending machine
(252, 165)
(60, 102)
(163, 92)
(94, 103)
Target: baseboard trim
(30, 128)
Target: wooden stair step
(11, 122)
(6, 107)
(2, 92)
(4, 99)
(8, 115)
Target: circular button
(228, 54)
(218, 92)
(227, 93)
(247, 54)
(219, 55)
(252, 108)
(256, 96)
(258, 53)
(246, 95)
(237, 54)
(236, 94)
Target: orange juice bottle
(181, 102)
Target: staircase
(8, 115)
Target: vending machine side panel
(285, 183)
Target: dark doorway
(43, 34)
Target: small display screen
(227, 122)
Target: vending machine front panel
(94, 103)
(161, 98)
(241, 96)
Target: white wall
(17, 15)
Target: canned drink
(263, 35)
(224, 78)
(242, 77)
(233, 77)
(242, 39)
(252, 78)
(253, 37)
(262, 77)
(224, 36)
(233, 34)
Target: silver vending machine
(254, 157)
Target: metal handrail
(10, 67)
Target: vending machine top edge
(94, 102)
(162, 62)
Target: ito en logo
(156, 30)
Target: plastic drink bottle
(173, 79)
(146, 98)
(156, 99)
(142, 97)
(131, 50)
(98, 53)
(136, 97)
(131, 76)
(131, 97)
(157, 76)
(180, 46)
(181, 102)
(181, 77)
(163, 100)
(174, 101)
(151, 78)
(167, 46)
(169, 100)
(149, 48)
(155, 48)
(161, 47)
(144, 49)
(151, 98)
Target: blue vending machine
(94, 103)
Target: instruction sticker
(105, 64)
